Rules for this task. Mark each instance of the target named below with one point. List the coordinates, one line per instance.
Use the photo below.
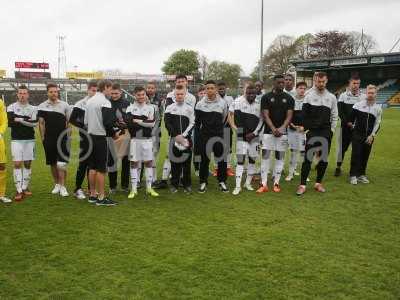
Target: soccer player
(296, 135)
(3, 156)
(179, 121)
(22, 121)
(346, 101)
(180, 80)
(140, 121)
(119, 106)
(229, 101)
(78, 119)
(196, 148)
(100, 120)
(277, 110)
(210, 114)
(53, 115)
(366, 117)
(158, 103)
(246, 121)
(320, 115)
(290, 85)
(259, 90)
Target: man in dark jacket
(119, 106)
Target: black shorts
(55, 150)
(99, 155)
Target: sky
(138, 36)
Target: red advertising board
(32, 75)
(30, 65)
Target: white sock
(239, 173)
(154, 170)
(293, 162)
(279, 163)
(26, 178)
(18, 180)
(251, 170)
(149, 177)
(166, 169)
(134, 178)
(264, 171)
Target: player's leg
(323, 164)
(17, 157)
(176, 167)
(306, 165)
(267, 147)
(26, 177)
(241, 151)
(187, 172)
(62, 163)
(230, 171)
(343, 145)
(219, 154)
(145, 148)
(3, 174)
(112, 165)
(134, 164)
(279, 164)
(204, 166)
(125, 169)
(366, 151)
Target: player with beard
(320, 115)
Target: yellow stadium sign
(2, 73)
(85, 75)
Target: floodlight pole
(260, 68)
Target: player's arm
(150, 122)
(168, 123)
(77, 117)
(108, 119)
(42, 128)
(341, 109)
(11, 117)
(334, 114)
(188, 130)
(3, 119)
(306, 112)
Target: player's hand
(370, 140)
(350, 125)
(137, 121)
(280, 131)
(18, 120)
(249, 137)
(180, 139)
(116, 136)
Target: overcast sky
(138, 36)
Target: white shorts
(273, 143)
(245, 148)
(297, 140)
(141, 150)
(23, 150)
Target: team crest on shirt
(284, 100)
(272, 99)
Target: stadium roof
(370, 60)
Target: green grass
(341, 245)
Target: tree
(361, 43)
(182, 62)
(330, 44)
(276, 59)
(220, 70)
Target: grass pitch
(341, 245)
